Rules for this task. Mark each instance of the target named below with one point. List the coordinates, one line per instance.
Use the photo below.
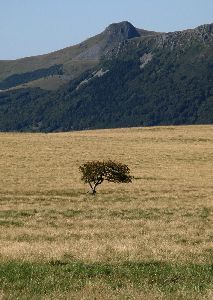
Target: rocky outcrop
(184, 39)
(118, 32)
(145, 59)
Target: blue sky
(32, 27)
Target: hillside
(139, 78)
(73, 60)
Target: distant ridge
(122, 77)
(74, 59)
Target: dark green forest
(175, 87)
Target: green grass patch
(17, 214)
(205, 212)
(8, 223)
(70, 213)
(18, 279)
(137, 214)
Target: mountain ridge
(78, 58)
(146, 80)
(75, 59)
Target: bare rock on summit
(111, 37)
(118, 32)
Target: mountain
(50, 71)
(122, 77)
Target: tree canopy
(95, 172)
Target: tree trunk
(94, 191)
(93, 188)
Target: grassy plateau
(151, 239)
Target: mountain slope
(148, 80)
(73, 60)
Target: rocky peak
(118, 32)
(208, 28)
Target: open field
(150, 239)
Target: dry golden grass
(165, 214)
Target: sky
(33, 27)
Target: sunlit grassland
(152, 238)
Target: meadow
(151, 239)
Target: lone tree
(95, 172)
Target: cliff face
(119, 32)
